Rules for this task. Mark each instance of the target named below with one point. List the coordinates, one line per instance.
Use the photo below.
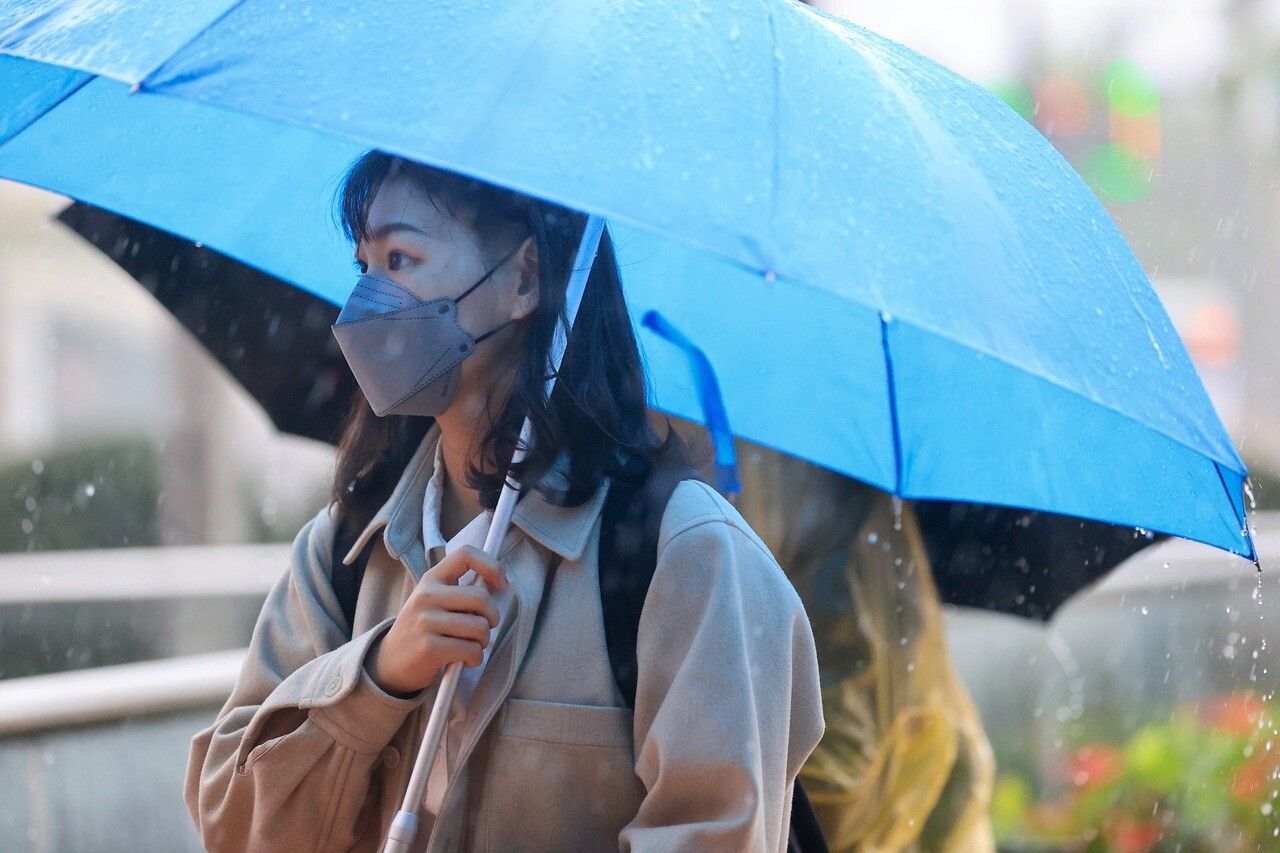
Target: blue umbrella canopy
(274, 340)
(892, 274)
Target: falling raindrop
(269, 510)
(80, 498)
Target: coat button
(334, 685)
(391, 756)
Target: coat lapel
(562, 532)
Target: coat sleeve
(728, 704)
(293, 758)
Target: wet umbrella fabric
(274, 340)
(894, 276)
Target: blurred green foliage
(101, 495)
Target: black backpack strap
(629, 530)
(346, 579)
(806, 833)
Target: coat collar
(564, 530)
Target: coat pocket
(560, 777)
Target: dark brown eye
(396, 260)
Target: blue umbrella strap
(713, 409)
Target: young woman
(313, 749)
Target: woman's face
(426, 250)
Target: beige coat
(309, 754)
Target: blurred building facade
(98, 384)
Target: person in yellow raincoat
(904, 764)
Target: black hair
(597, 414)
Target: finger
(462, 626)
(461, 599)
(486, 567)
(452, 650)
(455, 565)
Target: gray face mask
(405, 353)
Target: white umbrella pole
(405, 826)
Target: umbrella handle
(404, 828)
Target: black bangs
(357, 191)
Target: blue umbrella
(893, 275)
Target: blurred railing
(130, 647)
(140, 573)
(60, 700)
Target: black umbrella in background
(1018, 561)
(272, 337)
(275, 340)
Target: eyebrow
(386, 230)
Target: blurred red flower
(1239, 713)
(1131, 836)
(1094, 765)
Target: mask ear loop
(488, 275)
(483, 279)
(492, 332)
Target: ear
(526, 265)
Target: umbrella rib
(1245, 527)
(141, 81)
(776, 166)
(893, 405)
